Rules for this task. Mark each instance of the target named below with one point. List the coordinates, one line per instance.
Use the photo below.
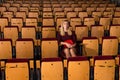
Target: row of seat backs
(89, 21)
(25, 48)
(12, 32)
(53, 68)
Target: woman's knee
(73, 52)
(66, 50)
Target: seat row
(15, 32)
(47, 48)
(83, 19)
(55, 3)
(98, 67)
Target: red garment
(68, 41)
(67, 38)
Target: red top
(66, 38)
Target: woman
(67, 38)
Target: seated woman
(67, 38)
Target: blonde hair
(62, 32)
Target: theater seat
(52, 68)
(81, 31)
(104, 66)
(78, 68)
(48, 32)
(5, 49)
(17, 69)
(3, 23)
(49, 48)
(11, 32)
(110, 45)
(90, 46)
(25, 48)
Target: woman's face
(65, 25)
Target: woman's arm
(66, 44)
(74, 45)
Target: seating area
(29, 48)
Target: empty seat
(5, 49)
(30, 32)
(75, 21)
(14, 9)
(104, 66)
(8, 14)
(110, 9)
(81, 31)
(94, 5)
(102, 5)
(3, 9)
(26, 9)
(96, 15)
(78, 68)
(117, 14)
(47, 14)
(115, 20)
(97, 31)
(89, 22)
(114, 30)
(47, 4)
(34, 14)
(82, 15)
(108, 14)
(16, 5)
(17, 22)
(49, 48)
(77, 9)
(117, 8)
(35, 9)
(17, 69)
(73, 5)
(105, 21)
(27, 4)
(47, 9)
(3, 23)
(101, 9)
(7, 4)
(111, 5)
(48, 32)
(25, 48)
(31, 22)
(59, 14)
(54, 5)
(67, 9)
(57, 9)
(70, 14)
(110, 46)
(11, 32)
(90, 46)
(48, 22)
(52, 68)
(90, 10)
(84, 6)
(64, 4)
(21, 14)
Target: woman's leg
(67, 52)
(73, 52)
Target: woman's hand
(68, 45)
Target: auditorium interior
(29, 48)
